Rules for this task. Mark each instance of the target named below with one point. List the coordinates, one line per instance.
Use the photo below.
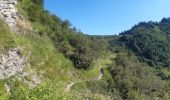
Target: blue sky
(108, 17)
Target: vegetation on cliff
(133, 65)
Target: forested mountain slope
(150, 41)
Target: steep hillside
(150, 41)
(40, 58)
(45, 58)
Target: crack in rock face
(9, 13)
(11, 63)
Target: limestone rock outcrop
(11, 63)
(9, 13)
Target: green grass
(45, 59)
(85, 80)
(101, 62)
(166, 71)
(3, 93)
(6, 40)
(42, 56)
(57, 70)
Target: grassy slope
(57, 70)
(46, 60)
(82, 88)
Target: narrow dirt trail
(99, 77)
(68, 88)
(100, 67)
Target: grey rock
(11, 63)
(9, 14)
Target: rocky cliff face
(9, 14)
(11, 63)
